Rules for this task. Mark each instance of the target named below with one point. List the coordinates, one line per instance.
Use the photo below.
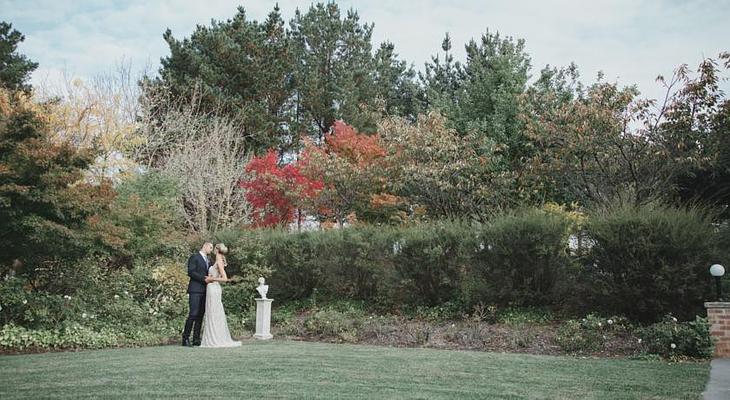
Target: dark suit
(197, 271)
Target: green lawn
(287, 369)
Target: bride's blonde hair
(221, 248)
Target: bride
(215, 326)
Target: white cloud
(630, 40)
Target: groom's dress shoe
(186, 342)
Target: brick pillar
(718, 314)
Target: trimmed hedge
(646, 262)
(522, 260)
(642, 262)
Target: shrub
(590, 333)
(146, 215)
(355, 262)
(671, 338)
(429, 261)
(15, 338)
(574, 337)
(248, 256)
(35, 309)
(650, 260)
(292, 258)
(341, 325)
(388, 266)
(448, 311)
(521, 316)
(521, 260)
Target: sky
(631, 41)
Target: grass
(287, 369)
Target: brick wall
(718, 313)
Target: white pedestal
(263, 319)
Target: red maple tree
(275, 191)
(351, 166)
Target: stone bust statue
(261, 288)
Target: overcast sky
(632, 41)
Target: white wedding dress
(215, 326)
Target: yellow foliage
(171, 274)
(572, 213)
(94, 117)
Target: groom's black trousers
(195, 317)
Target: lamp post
(717, 271)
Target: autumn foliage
(359, 149)
(275, 191)
(342, 179)
(351, 166)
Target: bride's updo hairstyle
(221, 248)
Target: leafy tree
(45, 207)
(695, 133)
(603, 143)
(351, 167)
(585, 148)
(100, 115)
(554, 89)
(480, 99)
(144, 221)
(276, 192)
(435, 168)
(15, 69)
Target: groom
(198, 264)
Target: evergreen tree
(15, 69)
(239, 67)
(441, 80)
(395, 83)
(334, 69)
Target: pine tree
(395, 83)
(238, 67)
(15, 69)
(334, 75)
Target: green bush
(35, 309)
(590, 333)
(448, 311)
(671, 338)
(574, 338)
(334, 323)
(247, 257)
(429, 261)
(650, 261)
(292, 258)
(387, 266)
(354, 262)
(16, 338)
(147, 216)
(521, 316)
(516, 269)
(521, 260)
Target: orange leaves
(382, 200)
(357, 148)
